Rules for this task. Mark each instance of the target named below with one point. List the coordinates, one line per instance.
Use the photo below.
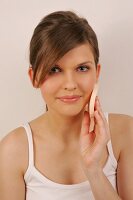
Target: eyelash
(83, 66)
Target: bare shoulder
(120, 122)
(121, 130)
(13, 159)
(14, 149)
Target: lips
(70, 97)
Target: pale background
(113, 23)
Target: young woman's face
(74, 74)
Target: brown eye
(54, 70)
(83, 68)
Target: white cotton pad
(91, 106)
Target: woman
(55, 156)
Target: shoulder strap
(109, 146)
(111, 153)
(30, 142)
(106, 115)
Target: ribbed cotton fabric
(39, 187)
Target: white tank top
(39, 187)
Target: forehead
(77, 55)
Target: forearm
(101, 187)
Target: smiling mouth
(69, 96)
(70, 99)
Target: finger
(102, 116)
(101, 128)
(98, 119)
(85, 139)
(98, 105)
(99, 108)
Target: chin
(70, 112)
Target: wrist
(94, 173)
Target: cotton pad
(91, 106)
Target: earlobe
(30, 73)
(98, 71)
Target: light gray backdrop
(113, 23)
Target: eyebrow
(91, 62)
(86, 62)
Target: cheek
(87, 84)
(49, 87)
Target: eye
(84, 68)
(54, 70)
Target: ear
(98, 71)
(30, 73)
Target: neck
(66, 129)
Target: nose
(70, 82)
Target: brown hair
(54, 36)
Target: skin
(85, 154)
(69, 78)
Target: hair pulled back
(54, 36)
